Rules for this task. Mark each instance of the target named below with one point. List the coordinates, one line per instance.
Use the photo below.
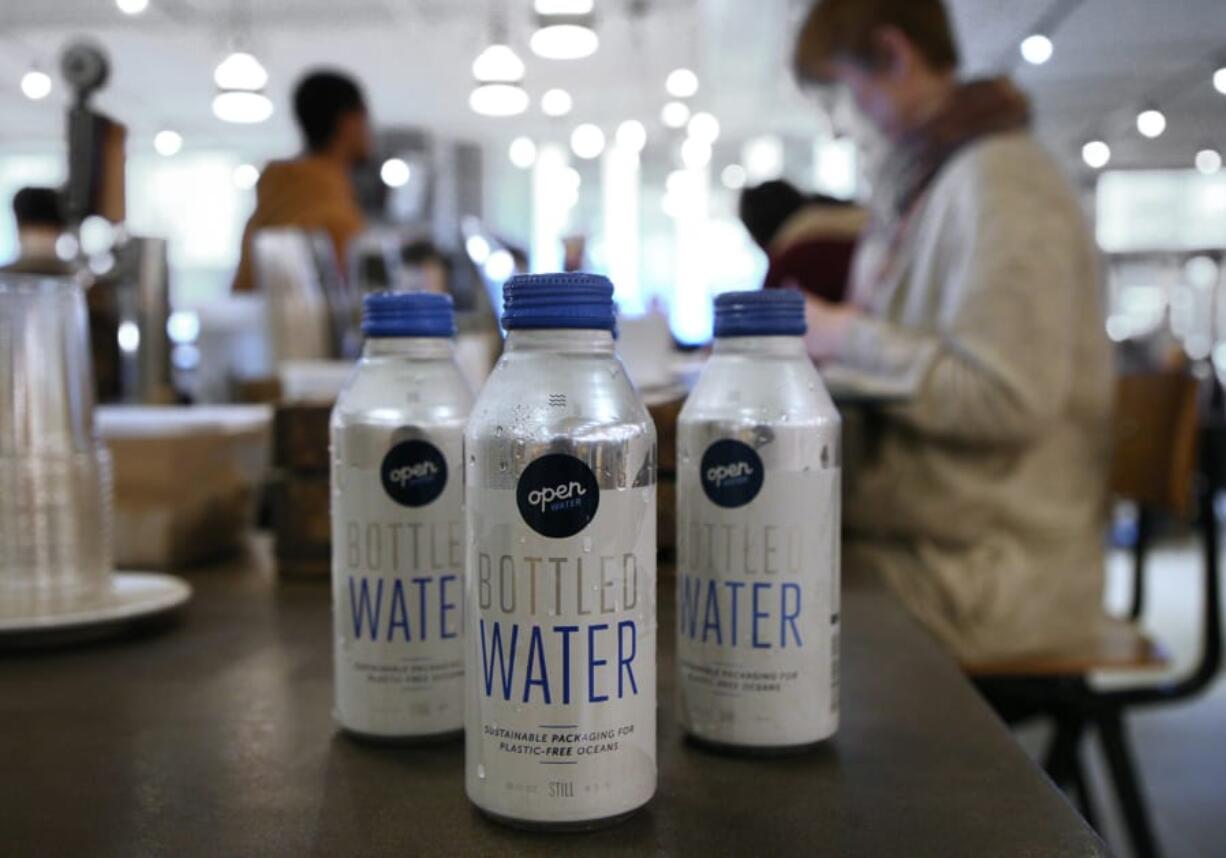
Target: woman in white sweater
(980, 497)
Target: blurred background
(636, 152)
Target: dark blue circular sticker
(558, 495)
(414, 473)
(732, 473)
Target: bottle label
(398, 589)
(757, 599)
(562, 653)
(414, 473)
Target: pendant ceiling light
(566, 30)
(499, 74)
(240, 97)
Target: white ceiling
(414, 56)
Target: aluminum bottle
(758, 509)
(397, 437)
(561, 508)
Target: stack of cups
(55, 509)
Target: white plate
(133, 595)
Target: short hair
(321, 98)
(846, 30)
(38, 207)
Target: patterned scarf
(975, 109)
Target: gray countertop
(215, 737)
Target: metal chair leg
(1063, 765)
(1123, 774)
(1061, 758)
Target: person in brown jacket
(314, 191)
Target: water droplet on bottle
(472, 458)
(480, 772)
(498, 431)
(502, 466)
(587, 543)
(783, 418)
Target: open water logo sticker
(732, 473)
(414, 473)
(557, 495)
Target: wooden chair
(1155, 466)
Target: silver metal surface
(560, 392)
(764, 393)
(409, 685)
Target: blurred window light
(522, 152)
(621, 181)
(556, 102)
(733, 177)
(703, 126)
(395, 172)
(132, 7)
(246, 176)
(500, 265)
(1151, 123)
(695, 153)
(1160, 210)
(36, 85)
(478, 249)
(1096, 154)
(128, 336)
(675, 114)
(185, 357)
(67, 247)
(631, 136)
(97, 235)
(681, 83)
(587, 141)
(167, 142)
(1036, 49)
(835, 166)
(1208, 161)
(183, 326)
(550, 210)
(763, 158)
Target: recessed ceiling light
(1151, 123)
(556, 102)
(1208, 161)
(1036, 49)
(395, 172)
(167, 142)
(522, 152)
(36, 85)
(675, 114)
(1096, 154)
(587, 141)
(631, 136)
(681, 83)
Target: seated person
(808, 239)
(982, 498)
(40, 223)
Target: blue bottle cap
(761, 313)
(408, 314)
(558, 301)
